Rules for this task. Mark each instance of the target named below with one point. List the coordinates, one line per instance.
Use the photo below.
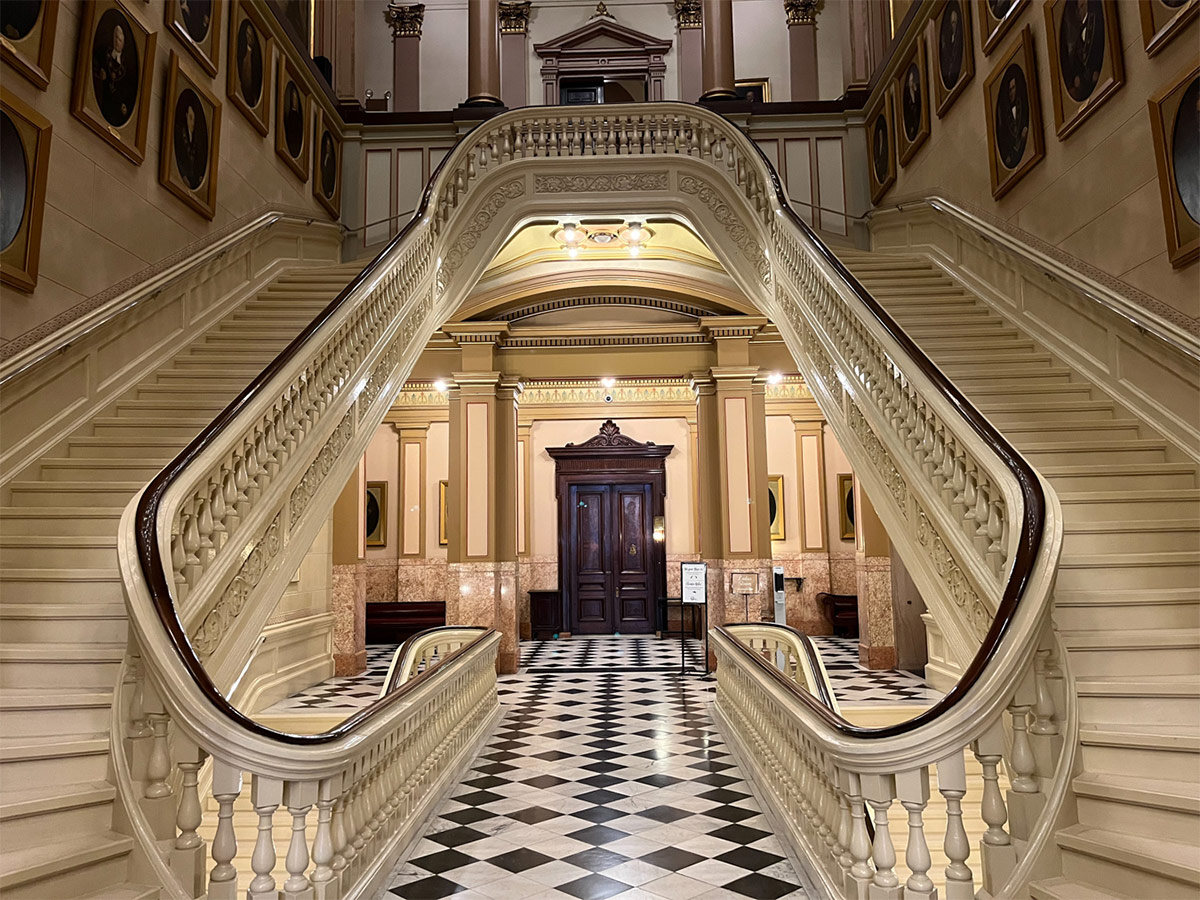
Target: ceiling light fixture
(570, 232)
(634, 249)
(440, 385)
(635, 233)
(608, 381)
(774, 378)
(572, 252)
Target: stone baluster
(1021, 763)
(187, 854)
(997, 853)
(879, 791)
(265, 794)
(158, 766)
(859, 874)
(1043, 711)
(952, 785)
(299, 797)
(912, 789)
(226, 786)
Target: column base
(350, 663)
(718, 94)
(877, 657)
(482, 100)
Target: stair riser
(133, 429)
(1117, 456)
(959, 364)
(1143, 661)
(61, 591)
(1003, 343)
(1115, 618)
(1139, 710)
(44, 495)
(60, 526)
(156, 453)
(1130, 541)
(157, 414)
(59, 557)
(1182, 764)
(184, 397)
(1099, 578)
(979, 332)
(60, 630)
(54, 825)
(1144, 821)
(1131, 510)
(56, 675)
(227, 384)
(57, 770)
(1140, 481)
(73, 883)
(56, 720)
(1014, 383)
(1002, 418)
(1117, 878)
(82, 471)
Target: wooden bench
(842, 610)
(391, 623)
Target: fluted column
(802, 47)
(405, 21)
(483, 53)
(718, 50)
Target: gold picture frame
(292, 100)
(24, 164)
(251, 59)
(912, 103)
(753, 90)
(113, 75)
(443, 538)
(775, 507)
(1014, 116)
(198, 32)
(191, 140)
(846, 515)
(881, 148)
(1083, 72)
(1161, 23)
(327, 164)
(953, 53)
(375, 513)
(27, 40)
(996, 17)
(1179, 185)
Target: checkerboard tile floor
(349, 693)
(604, 780)
(854, 684)
(600, 654)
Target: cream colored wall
(382, 460)
(437, 468)
(831, 28)
(836, 464)
(1096, 194)
(782, 460)
(105, 218)
(760, 45)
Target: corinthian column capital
(405, 20)
(801, 12)
(514, 16)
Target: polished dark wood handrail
(823, 692)
(390, 685)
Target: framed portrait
(1014, 116)
(996, 17)
(775, 506)
(291, 118)
(375, 511)
(248, 75)
(197, 24)
(912, 103)
(953, 53)
(295, 17)
(443, 538)
(27, 30)
(191, 140)
(113, 69)
(24, 162)
(1162, 20)
(327, 164)
(846, 507)
(755, 90)
(1175, 125)
(882, 149)
(1084, 43)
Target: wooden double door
(610, 570)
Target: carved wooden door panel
(632, 563)
(589, 591)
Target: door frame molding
(612, 458)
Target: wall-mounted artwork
(113, 68)
(1175, 124)
(197, 24)
(775, 506)
(191, 140)
(248, 75)
(291, 118)
(375, 511)
(953, 53)
(846, 507)
(912, 103)
(882, 149)
(996, 17)
(24, 161)
(297, 22)
(1162, 20)
(1084, 43)
(27, 37)
(327, 165)
(443, 538)
(1014, 116)
(756, 90)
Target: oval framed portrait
(190, 143)
(1014, 116)
(292, 102)
(27, 28)
(24, 163)
(912, 103)
(1084, 43)
(197, 25)
(953, 53)
(996, 17)
(327, 164)
(1175, 127)
(248, 74)
(882, 150)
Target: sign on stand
(694, 590)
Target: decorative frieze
(688, 14)
(514, 16)
(577, 184)
(405, 20)
(731, 221)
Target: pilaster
(348, 594)
(689, 46)
(802, 47)
(514, 34)
(405, 21)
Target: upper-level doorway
(602, 89)
(603, 62)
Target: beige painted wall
(382, 461)
(781, 460)
(1096, 194)
(836, 464)
(437, 468)
(105, 218)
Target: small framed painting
(912, 103)
(775, 506)
(327, 165)
(755, 90)
(114, 65)
(191, 140)
(1084, 43)
(1175, 126)
(1162, 20)
(953, 53)
(1014, 116)
(197, 24)
(375, 511)
(846, 507)
(443, 538)
(27, 37)
(882, 149)
(291, 118)
(248, 75)
(996, 17)
(24, 162)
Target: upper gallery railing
(207, 548)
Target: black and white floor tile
(854, 684)
(600, 654)
(608, 779)
(349, 693)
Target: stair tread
(126, 891)
(1130, 638)
(58, 574)
(1123, 526)
(99, 651)
(1180, 736)
(1062, 888)
(1108, 560)
(1141, 791)
(25, 801)
(1140, 685)
(26, 864)
(52, 698)
(58, 540)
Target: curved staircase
(63, 618)
(1127, 600)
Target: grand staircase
(63, 621)
(1127, 602)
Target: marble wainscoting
(843, 571)
(348, 605)
(381, 580)
(421, 579)
(485, 594)
(876, 625)
(674, 574)
(534, 573)
(804, 613)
